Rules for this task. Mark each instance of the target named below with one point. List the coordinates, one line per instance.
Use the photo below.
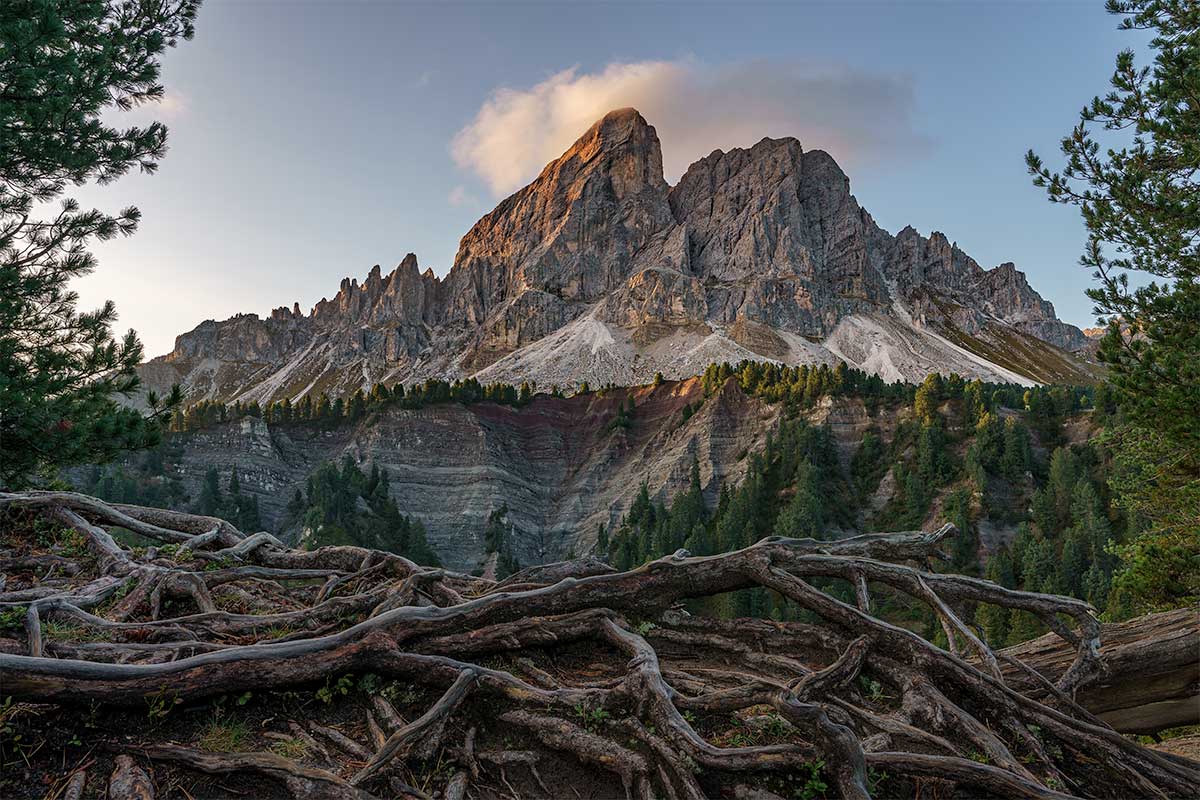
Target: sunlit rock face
(600, 271)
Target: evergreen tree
(324, 409)
(248, 517)
(804, 515)
(210, 502)
(964, 554)
(497, 537)
(1141, 205)
(929, 397)
(68, 68)
(1076, 560)
(1017, 457)
(357, 406)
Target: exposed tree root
(569, 663)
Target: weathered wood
(1151, 679)
(372, 612)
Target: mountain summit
(599, 270)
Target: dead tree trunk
(1151, 678)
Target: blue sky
(311, 140)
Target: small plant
(68, 632)
(278, 632)
(979, 757)
(370, 683)
(327, 693)
(814, 786)
(401, 695)
(591, 718)
(12, 617)
(777, 726)
(741, 739)
(92, 717)
(875, 781)
(872, 688)
(645, 627)
(159, 704)
(10, 740)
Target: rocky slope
(600, 271)
(556, 463)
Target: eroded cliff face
(557, 464)
(600, 271)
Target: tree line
(965, 451)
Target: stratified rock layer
(557, 464)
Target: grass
(69, 632)
(294, 749)
(225, 736)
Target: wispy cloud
(459, 196)
(696, 108)
(173, 104)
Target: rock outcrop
(600, 271)
(556, 463)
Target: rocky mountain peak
(600, 271)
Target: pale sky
(312, 140)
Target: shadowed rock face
(599, 271)
(556, 463)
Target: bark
(1151, 679)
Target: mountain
(600, 271)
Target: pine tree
(1096, 585)
(929, 397)
(1017, 457)
(68, 69)
(357, 406)
(1023, 626)
(1076, 560)
(957, 510)
(210, 501)
(1133, 170)
(804, 515)
(248, 517)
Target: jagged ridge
(600, 271)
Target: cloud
(696, 108)
(459, 196)
(173, 104)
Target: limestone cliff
(556, 463)
(600, 271)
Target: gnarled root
(569, 664)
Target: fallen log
(1151, 679)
